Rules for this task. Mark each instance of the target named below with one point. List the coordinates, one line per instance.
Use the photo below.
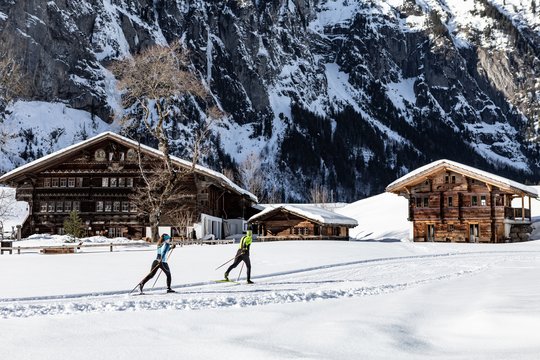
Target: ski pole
(160, 270)
(240, 273)
(154, 268)
(226, 262)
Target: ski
(226, 281)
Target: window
(100, 155)
(77, 206)
(111, 156)
(418, 202)
(125, 206)
(59, 206)
(79, 182)
(67, 206)
(121, 182)
(483, 201)
(450, 201)
(99, 206)
(108, 206)
(116, 206)
(51, 206)
(115, 232)
(450, 227)
(43, 206)
(114, 182)
(63, 182)
(129, 182)
(131, 155)
(426, 202)
(474, 200)
(446, 179)
(453, 179)
(71, 182)
(54, 182)
(132, 207)
(105, 182)
(47, 182)
(122, 156)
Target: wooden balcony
(469, 212)
(517, 213)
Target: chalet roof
(308, 211)
(43, 162)
(419, 174)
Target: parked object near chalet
(300, 222)
(449, 201)
(96, 178)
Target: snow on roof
(308, 211)
(466, 170)
(109, 134)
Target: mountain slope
(348, 95)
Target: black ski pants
(156, 265)
(239, 258)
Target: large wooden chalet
(300, 222)
(449, 201)
(97, 177)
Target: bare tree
(252, 175)
(13, 83)
(7, 200)
(318, 194)
(181, 218)
(152, 81)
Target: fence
(70, 248)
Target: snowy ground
(311, 300)
(377, 299)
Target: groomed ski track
(366, 277)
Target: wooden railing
(71, 248)
(513, 213)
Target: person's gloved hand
(173, 246)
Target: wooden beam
(530, 210)
(522, 207)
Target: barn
(300, 222)
(452, 202)
(98, 177)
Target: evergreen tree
(73, 225)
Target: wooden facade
(98, 177)
(452, 202)
(284, 223)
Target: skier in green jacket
(242, 255)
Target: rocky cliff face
(344, 94)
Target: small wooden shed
(300, 222)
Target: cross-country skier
(164, 245)
(242, 255)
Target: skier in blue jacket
(164, 245)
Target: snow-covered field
(377, 299)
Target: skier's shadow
(308, 282)
(233, 291)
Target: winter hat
(166, 237)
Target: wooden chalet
(300, 222)
(449, 201)
(98, 177)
